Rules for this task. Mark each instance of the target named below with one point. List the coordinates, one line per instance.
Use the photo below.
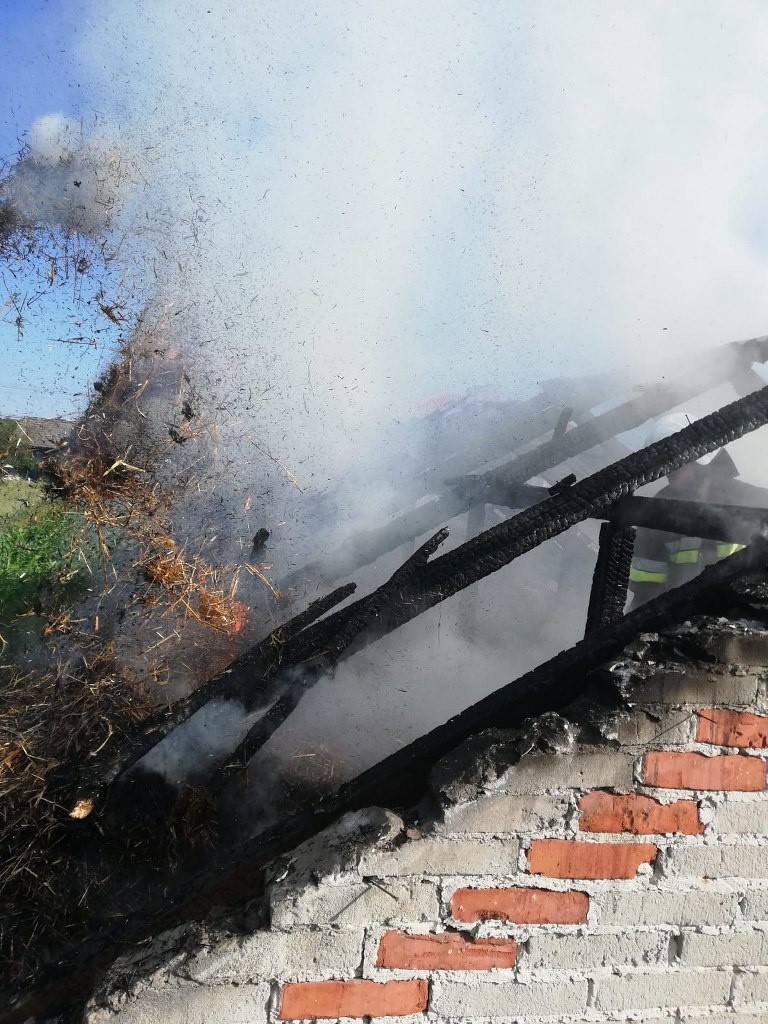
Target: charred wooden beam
(712, 367)
(729, 523)
(398, 781)
(592, 497)
(708, 520)
(561, 426)
(632, 413)
(257, 666)
(420, 583)
(507, 484)
(553, 684)
(363, 548)
(607, 600)
(611, 576)
(412, 590)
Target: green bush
(37, 573)
(20, 456)
(7, 427)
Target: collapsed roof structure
(292, 658)
(279, 671)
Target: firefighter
(663, 560)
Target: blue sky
(36, 72)
(38, 76)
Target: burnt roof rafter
(287, 663)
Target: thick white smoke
(351, 208)
(70, 178)
(355, 207)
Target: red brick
(732, 728)
(330, 999)
(698, 771)
(447, 951)
(564, 858)
(641, 815)
(521, 906)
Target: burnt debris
(260, 539)
(277, 672)
(423, 581)
(611, 577)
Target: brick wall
(624, 878)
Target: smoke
(204, 740)
(68, 179)
(349, 211)
(350, 215)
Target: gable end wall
(622, 880)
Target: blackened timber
(506, 484)
(247, 676)
(311, 658)
(520, 423)
(561, 426)
(734, 524)
(399, 781)
(707, 520)
(364, 548)
(611, 576)
(726, 523)
(261, 677)
(588, 498)
(711, 368)
(555, 683)
(420, 584)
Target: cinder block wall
(620, 879)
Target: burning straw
(51, 725)
(193, 586)
(63, 861)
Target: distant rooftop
(42, 434)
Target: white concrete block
(698, 688)
(540, 773)
(187, 1003)
(670, 727)
(663, 989)
(353, 904)
(743, 816)
(586, 951)
(501, 812)
(717, 861)
(672, 907)
(755, 905)
(751, 988)
(444, 857)
(729, 948)
(480, 997)
(739, 1016)
(303, 954)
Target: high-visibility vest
(686, 556)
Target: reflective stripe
(648, 570)
(649, 564)
(683, 544)
(724, 550)
(643, 576)
(684, 557)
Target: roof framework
(291, 660)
